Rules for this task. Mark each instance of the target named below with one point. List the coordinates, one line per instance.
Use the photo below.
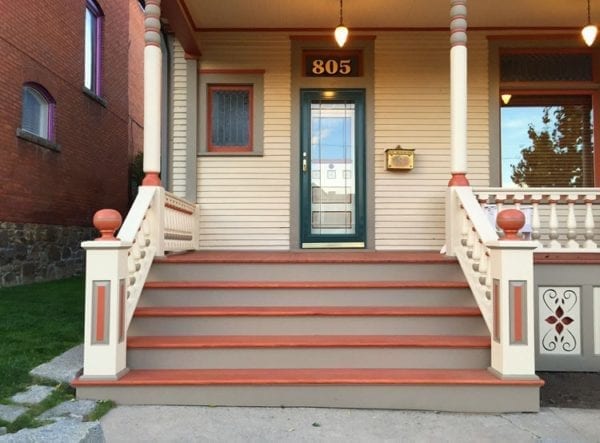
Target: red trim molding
(151, 179)
(459, 179)
(232, 71)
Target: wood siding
(412, 108)
(245, 201)
(178, 121)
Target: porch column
(152, 93)
(458, 93)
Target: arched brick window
(38, 111)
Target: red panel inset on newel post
(100, 314)
(107, 221)
(517, 335)
(510, 221)
(459, 180)
(151, 179)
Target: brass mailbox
(399, 159)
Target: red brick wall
(42, 41)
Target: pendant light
(590, 31)
(341, 32)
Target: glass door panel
(332, 167)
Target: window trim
(96, 57)
(50, 105)
(209, 105)
(253, 77)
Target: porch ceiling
(370, 14)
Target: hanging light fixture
(341, 32)
(506, 98)
(590, 31)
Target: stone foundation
(34, 253)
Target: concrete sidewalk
(221, 424)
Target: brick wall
(42, 42)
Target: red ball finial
(510, 221)
(107, 221)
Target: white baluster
(535, 218)
(464, 230)
(572, 222)
(554, 243)
(589, 222)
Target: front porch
(253, 317)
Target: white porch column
(152, 93)
(458, 93)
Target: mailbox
(399, 159)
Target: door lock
(304, 162)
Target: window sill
(36, 139)
(231, 154)
(91, 94)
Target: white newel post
(458, 116)
(513, 341)
(152, 93)
(105, 337)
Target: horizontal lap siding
(412, 108)
(245, 201)
(178, 122)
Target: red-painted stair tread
(266, 377)
(306, 285)
(304, 311)
(307, 257)
(307, 341)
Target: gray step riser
(322, 325)
(454, 398)
(290, 358)
(306, 297)
(305, 272)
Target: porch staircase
(323, 329)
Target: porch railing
(117, 269)
(499, 270)
(561, 219)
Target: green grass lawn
(37, 323)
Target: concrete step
(467, 390)
(324, 320)
(309, 351)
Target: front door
(332, 168)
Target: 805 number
(331, 67)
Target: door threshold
(333, 245)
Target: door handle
(304, 165)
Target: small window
(93, 46)
(231, 112)
(230, 118)
(38, 112)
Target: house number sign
(332, 63)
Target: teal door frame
(308, 239)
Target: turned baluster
(500, 200)
(471, 240)
(553, 223)
(535, 218)
(572, 222)
(464, 230)
(589, 222)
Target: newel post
(513, 344)
(105, 300)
